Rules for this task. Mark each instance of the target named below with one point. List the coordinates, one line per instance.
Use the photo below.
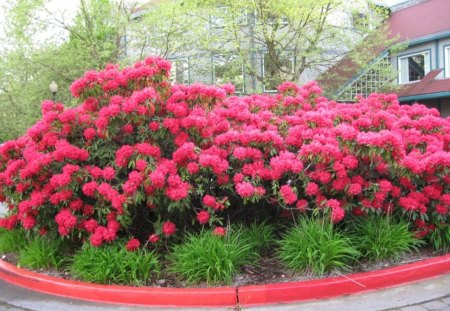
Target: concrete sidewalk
(426, 295)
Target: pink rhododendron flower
(288, 195)
(168, 228)
(219, 231)
(153, 238)
(132, 245)
(203, 217)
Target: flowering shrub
(143, 158)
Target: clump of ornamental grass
(383, 237)
(114, 264)
(41, 252)
(314, 244)
(12, 240)
(214, 259)
(439, 238)
(259, 235)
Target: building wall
(440, 104)
(445, 107)
(436, 49)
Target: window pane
(414, 67)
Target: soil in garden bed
(269, 270)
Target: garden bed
(269, 271)
(230, 296)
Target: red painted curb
(151, 296)
(344, 285)
(228, 296)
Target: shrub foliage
(113, 264)
(142, 157)
(206, 257)
(384, 237)
(315, 245)
(12, 240)
(41, 252)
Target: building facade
(422, 66)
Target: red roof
(420, 20)
(429, 84)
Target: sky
(60, 8)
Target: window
(228, 69)
(274, 73)
(413, 67)
(447, 61)
(179, 73)
(360, 20)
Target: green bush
(113, 264)
(439, 238)
(41, 252)
(380, 237)
(316, 245)
(205, 257)
(259, 235)
(12, 240)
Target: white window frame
(427, 60)
(447, 61)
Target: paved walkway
(427, 295)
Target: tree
(41, 47)
(271, 41)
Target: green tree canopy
(41, 46)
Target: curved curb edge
(228, 296)
(344, 285)
(149, 296)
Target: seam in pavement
(5, 304)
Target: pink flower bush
(139, 155)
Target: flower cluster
(143, 157)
